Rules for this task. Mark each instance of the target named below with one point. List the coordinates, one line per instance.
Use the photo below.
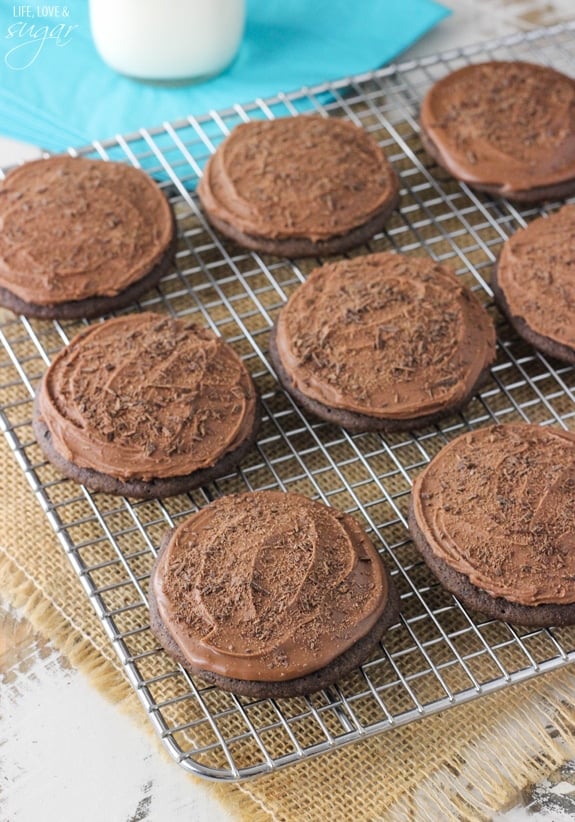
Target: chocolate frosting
(385, 335)
(498, 505)
(73, 228)
(504, 124)
(536, 273)
(268, 586)
(306, 177)
(145, 396)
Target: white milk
(167, 39)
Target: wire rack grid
(440, 654)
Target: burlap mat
(462, 764)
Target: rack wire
(440, 654)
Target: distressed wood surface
(61, 741)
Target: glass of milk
(167, 40)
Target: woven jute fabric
(461, 764)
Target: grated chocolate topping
(145, 396)
(507, 124)
(536, 272)
(498, 505)
(385, 335)
(73, 228)
(268, 585)
(306, 177)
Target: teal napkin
(55, 91)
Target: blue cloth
(55, 91)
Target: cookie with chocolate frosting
(146, 406)
(270, 594)
(534, 283)
(493, 515)
(80, 238)
(507, 128)
(382, 342)
(301, 186)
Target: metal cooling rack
(440, 654)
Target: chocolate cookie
(507, 128)
(146, 406)
(80, 237)
(493, 515)
(534, 283)
(383, 342)
(270, 594)
(301, 186)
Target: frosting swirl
(145, 396)
(536, 273)
(308, 177)
(498, 505)
(73, 228)
(504, 124)
(268, 586)
(384, 335)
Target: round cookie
(383, 342)
(507, 128)
(80, 238)
(493, 515)
(146, 406)
(270, 594)
(534, 283)
(301, 186)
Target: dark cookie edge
(140, 489)
(304, 247)
(532, 616)
(539, 194)
(91, 307)
(546, 345)
(344, 664)
(362, 423)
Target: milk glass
(167, 40)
